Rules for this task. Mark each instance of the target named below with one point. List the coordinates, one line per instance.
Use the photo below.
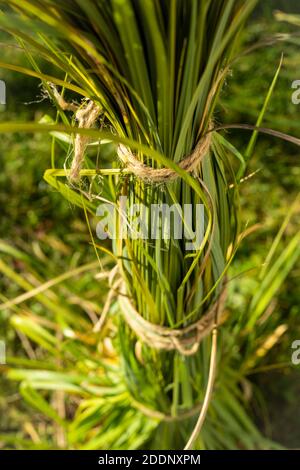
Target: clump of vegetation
(152, 78)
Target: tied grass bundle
(155, 69)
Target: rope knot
(160, 175)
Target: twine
(161, 175)
(86, 115)
(185, 340)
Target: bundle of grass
(152, 72)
